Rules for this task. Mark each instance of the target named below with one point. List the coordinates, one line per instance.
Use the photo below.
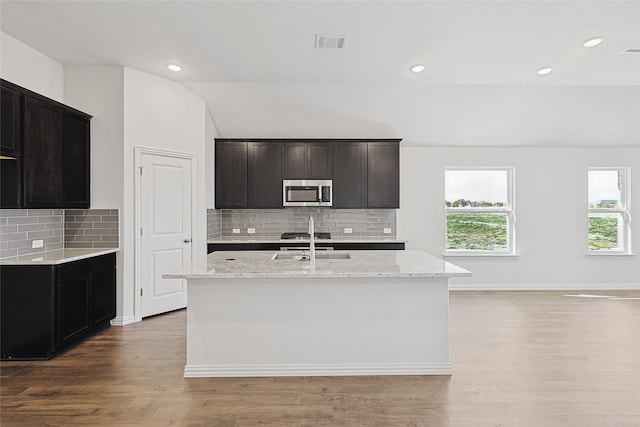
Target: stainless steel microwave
(307, 192)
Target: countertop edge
(371, 264)
(214, 241)
(313, 276)
(40, 259)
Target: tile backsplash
(271, 223)
(19, 227)
(214, 224)
(91, 228)
(57, 228)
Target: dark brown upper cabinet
(383, 175)
(42, 153)
(307, 160)
(231, 175)
(350, 175)
(10, 122)
(53, 143)
(265, 175)
(75, 160)
(249, 172)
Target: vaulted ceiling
(255, 64)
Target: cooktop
(292, 235)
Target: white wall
(26, 67)
(162, 114)
(136, 109)
(210, 133)
(551, 227)
(99, 91)
(428, 114)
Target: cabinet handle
(187, 240)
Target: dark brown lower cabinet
(46, 309)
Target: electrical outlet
(251, 230)
(37, 243)
(348, 230)
(387, 231)
(236, 231)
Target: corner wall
(26, 67)
(99, 91)
(163, 114)
(551, 216)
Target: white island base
(317, 326)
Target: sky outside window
(604, 187)
(476, 185)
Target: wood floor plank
(520, 359)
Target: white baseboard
(123, 320)
(544, 287)
(203, 371)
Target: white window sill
(479, 254)
(606, 253)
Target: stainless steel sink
(297, 256)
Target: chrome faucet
(312, 243)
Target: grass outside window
(477, 232)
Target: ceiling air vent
(330, 41)
(633, 49)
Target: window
(480, 211)
(609, 218)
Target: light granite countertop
(58, 256)
(260, 265)
(332, 240)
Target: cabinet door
(383, 175)
(349, 175)
(72, 304)
(41, 154)
(26, 311)
(75, 161)
(231, 175)
(10, 119)
(103, 298)
(265, 175)
(294, 159)
(307, 160)
(10, 183)
(319, 160)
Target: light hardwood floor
(520, 359)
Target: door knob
(187, 240)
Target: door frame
(139, 152)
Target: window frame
(623, 211)
(509, 210)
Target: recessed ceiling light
(544, 71)
(593, 42)
(174, 67)
(418, 68)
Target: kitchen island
(354, 313)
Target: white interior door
(165, 235)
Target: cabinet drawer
(85, 267)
